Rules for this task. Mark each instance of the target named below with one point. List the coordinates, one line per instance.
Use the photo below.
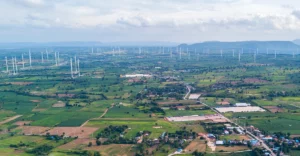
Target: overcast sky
(183, 21)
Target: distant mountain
(85, 44)
(142, 44)
(284, 46)
(297, 41)
(49, 44)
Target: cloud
(296, 13)
(136, 21)
(169, 17)
(29, 3)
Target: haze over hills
(285, 46)
(297, 41)
(84, 44)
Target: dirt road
(10, 119)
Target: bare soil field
(20, 83)
(65, 95)
(214, 118)
(80, 132)
(21, 123)
(240, 109)
(274, 109)
(75, 144)
(254, 80)
(183, 102)
(35, 101)
(33, 130)
(196, 145)
(113, 149)
(59, 104)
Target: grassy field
(136, 126)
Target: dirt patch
(181, 102)
(80, 132)
(254, 80)
(20, 83)
(223, 103)
(35, 101)
(59, 104)
(196, 145)
(231, 148)
(66, 95)
(22, 123)
(113, 149)
(10, 119)
(157, 127)
(33, 130)
(38, 109)
(274, 109)
(75, 144)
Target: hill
(284, 46)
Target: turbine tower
(23, 61)
(16, 65)
(71, 68)
(78, 67)
(6, 64)
(13, 65)
(47, 54)
(75, 64)
(232, 52)
(42, 57)
(29, 58)
(58, 58)
(55, 55)
(239, 57)
(221, 53)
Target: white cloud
(202, 18)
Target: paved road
(247, 132)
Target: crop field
(136, 126)
(100, 110)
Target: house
(226, 132)
(267, 138)
(211, 136)
(180, 107)
(155, 141)
(242, 105)
(220, 142)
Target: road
(106, 110)
(189, 91)
(247, 132)
(10, 119)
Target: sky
(181, 21)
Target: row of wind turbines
(15, 69)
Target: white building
(242, 104)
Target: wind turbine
(13, 65)
(6, 64)
(23, 61)
(71, 67)
(30, 58)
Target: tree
(98, 142)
